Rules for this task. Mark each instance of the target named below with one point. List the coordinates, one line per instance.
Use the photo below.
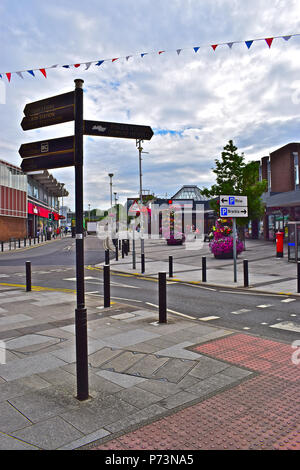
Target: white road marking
(208, 318)
(172, 311)
(287, 325)
(264, 306)
(288, 300)
(252, 293)
(242, 310)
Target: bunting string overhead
(98, 63)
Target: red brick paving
(260, 413)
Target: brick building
(26, 202)
(282, 198)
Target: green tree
(236, 177)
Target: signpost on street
(68, 151)
(234, 206)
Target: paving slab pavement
(177, 381)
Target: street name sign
(46, 162)
(234, 211)
(50, 111)
(115, 129)
(48, 147)
(234, 201)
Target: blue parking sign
(224, 211)
(231, 200)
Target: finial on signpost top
(78, 82)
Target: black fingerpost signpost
(68, 151)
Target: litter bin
(279, 244)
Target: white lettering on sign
(99, 128)
(44, 147)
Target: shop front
(40, 220)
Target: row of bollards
(16, 242)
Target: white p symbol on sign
(224, 211)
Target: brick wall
(12, 227)
(282, 168)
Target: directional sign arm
(114, 129)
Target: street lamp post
(89, 212)
(111, 176)
(140, 149)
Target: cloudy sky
(194, 101)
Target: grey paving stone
(68, 353)
(174, 370)
(147, 366)
(101, 385)
(10, 319)
(138, 397)
(29, 340)
(207, 367)
(11, 443)
(131, 337)
(178, 350)
(159, 387)
(136, 418)
(11, 419)
(58, 377)
(50, 434)
(46, 403)
(29, 365)
(178, 399)
(15, 388)
(124, 380)
(103, 355)
(236, 372)
(123, 361)
(85, 440)
(98, 414)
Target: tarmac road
(53, 266)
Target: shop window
(296, 169)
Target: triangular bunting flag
(196, 49)
(160, 52)
(269, 41)
(100, 62)
(145, 53)
(113, 60)
(128, 57)
(8, 74)
(77, 65)
(286, 38)
(20, 74)
(178, 51)
(230, 44)
(66, 66)
(43, 72)
(87, 65)
(214, 46)
(53, 66)
(248, 44)
(31, 72)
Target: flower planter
(228, 255)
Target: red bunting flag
(76, 65)
(214, 46)
(43, 72)
(269, 41)
(8, 74)
(160, 52)
(114, 59)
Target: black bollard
(24, 242)
(143, 262)
(106, 285)
(246, 273)
(19, 243)
(298, 278)
(162, 297)
(106, 256)
(170, 266)
(117, 251)
(2, 246)
(123, 249)
(28, 276)
(203, 268)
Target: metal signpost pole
(234, 250)
(140, 148)
(80, 311)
